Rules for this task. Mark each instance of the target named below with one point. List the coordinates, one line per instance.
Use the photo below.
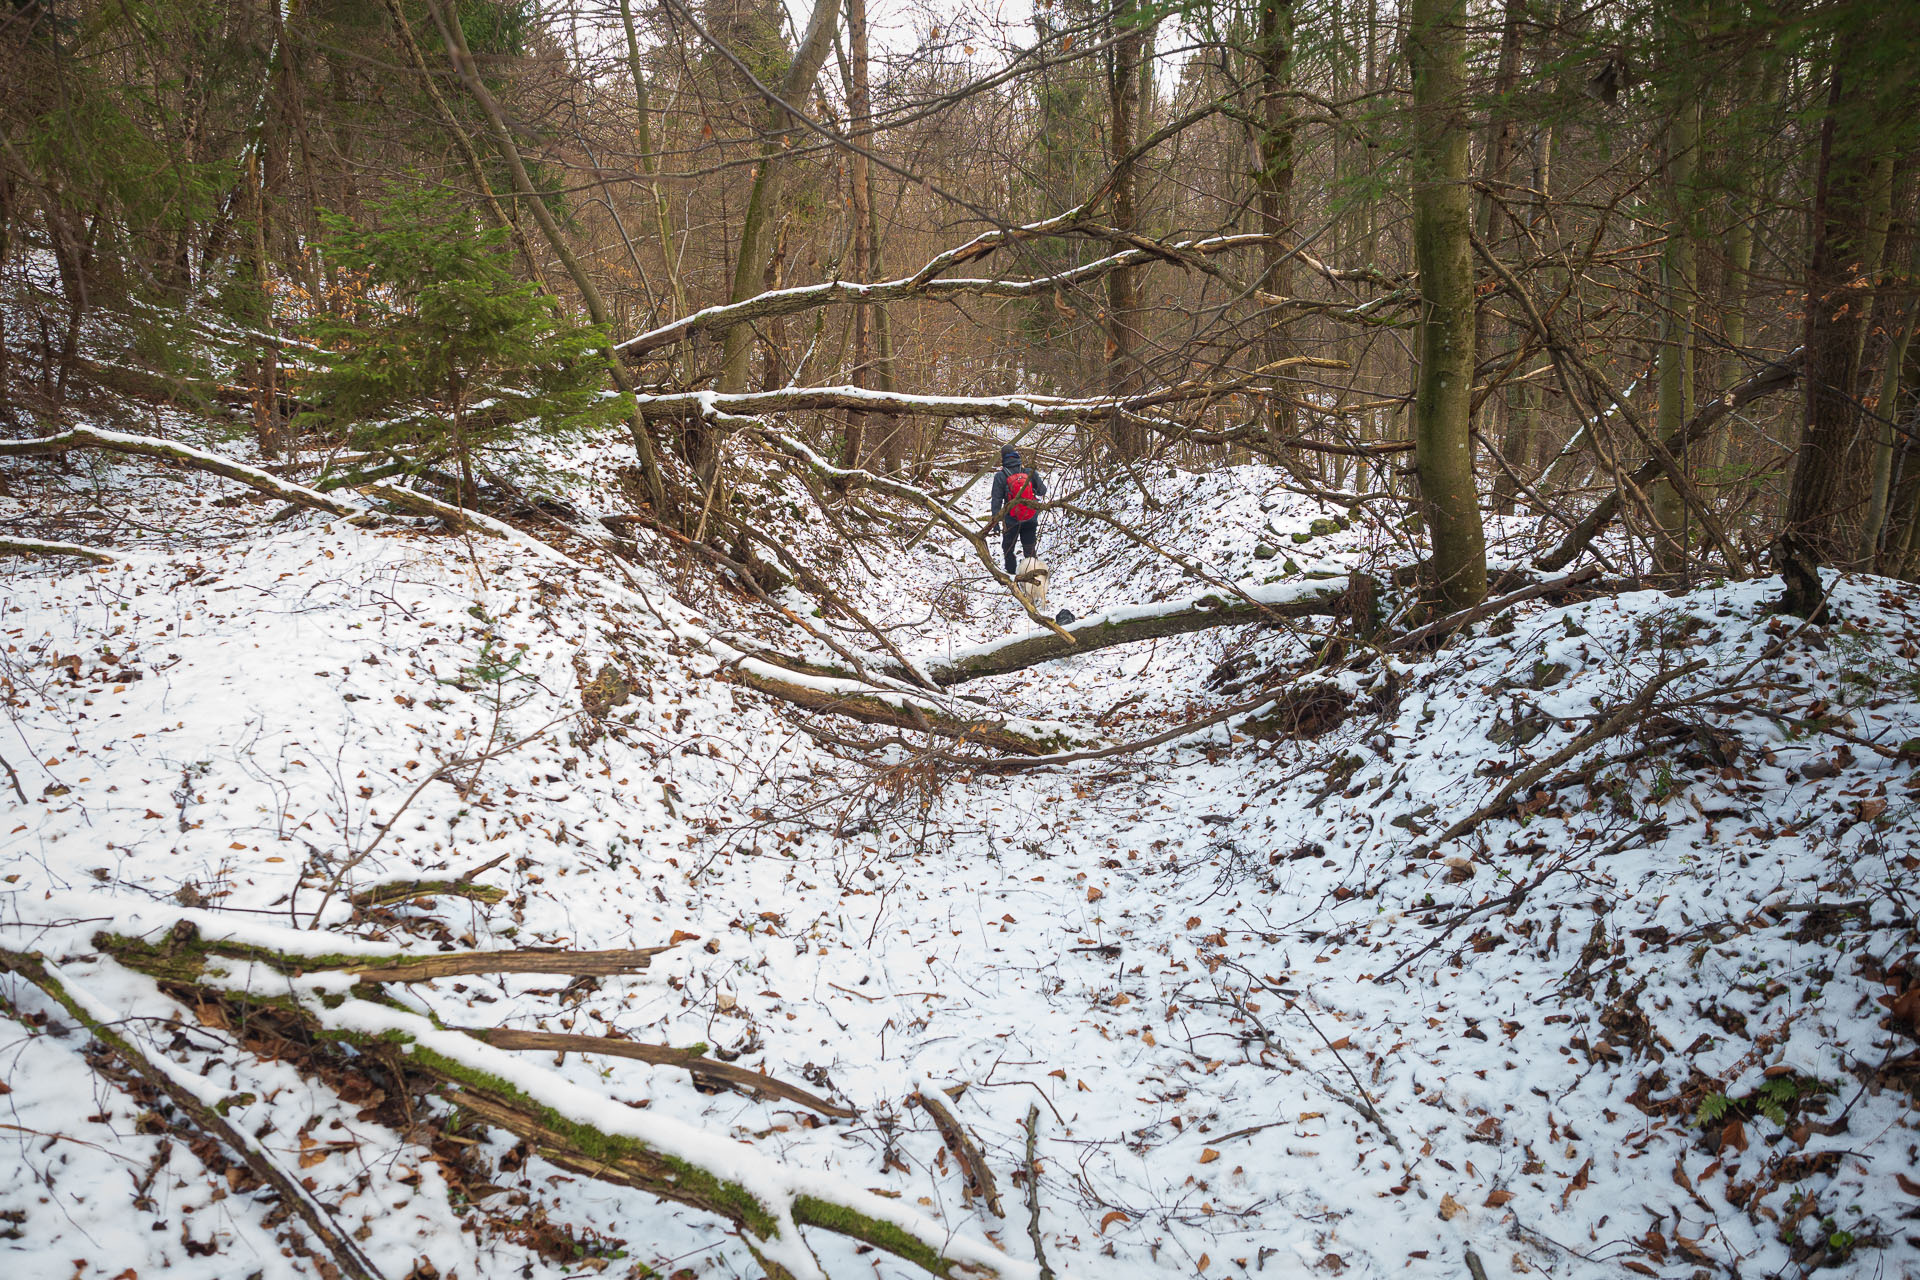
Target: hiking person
(1015, 491)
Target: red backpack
(1020, 497)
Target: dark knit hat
(1009, 457)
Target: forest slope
(1260, 1007)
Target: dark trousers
(1028, 533)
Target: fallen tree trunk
(692, 1061)
(787, 302)
(35, 547)
(1125, 625)
(184, 455)
(872, 704)
(566, 1123)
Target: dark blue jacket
(1000, 489)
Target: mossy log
(182, 955)
(663, 1157)
(36, 547)
(397, 891)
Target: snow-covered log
(872, 704)
(185, 455)
(786, 302)
(1214, 608)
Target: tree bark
(1817, 502)
(1442, 233)
(755, 253)
(860, 189)
(1124, 66)
(1678, 298)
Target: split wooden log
(36, 547)
(183, 954)
(692, 1061)
(174, 1082)
(569, 1124)
(973, 1165)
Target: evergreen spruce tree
(440, 325)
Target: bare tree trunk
(756, 249)
(1678, 299)
(1496, 159)
(1739, 239)
(1816, 501)
(649, 159)
(1886, 436)
(1273, 183)
(1442, 236)
(1123, 288)
(860, 112)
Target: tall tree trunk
(649, 158)
(755, 255)
(1744, 213)
(1502, 134)
(1886, 445)
(1273, 185)
(1123, 374)
(1817, 500)
(1678, 299)
(1443, 250)
(859, 181)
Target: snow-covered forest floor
(1257, 1013)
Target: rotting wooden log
(397, 891)
(628, 1147)
(36, 547)
(972, 1164)
(338, 1246)
(691, 1061)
